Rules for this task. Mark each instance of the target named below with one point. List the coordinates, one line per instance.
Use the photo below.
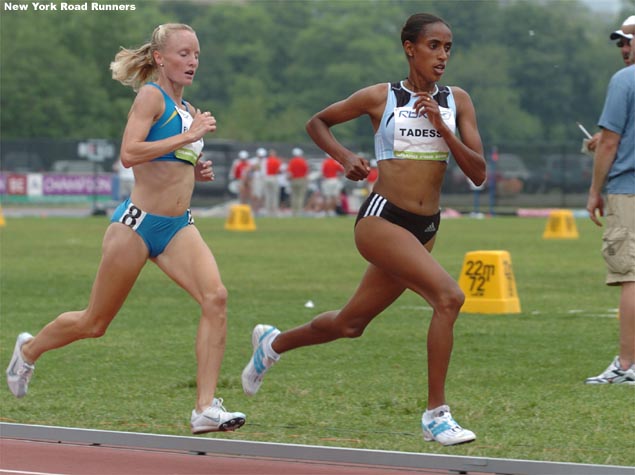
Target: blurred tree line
(533, 68)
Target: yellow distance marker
(487, 280)
(240, 219)
(560, 225)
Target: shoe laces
(446, 416)
(443, 416)
(25, 370)
(218, 403)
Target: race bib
(416, 138)
(133, 216)
(189, 152)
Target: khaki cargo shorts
(618, 241)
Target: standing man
(614, 165)
(298, 170)
(126, 180)
(255, 175)
(629, 28)
(624, 37)
(237, 182)
(332, 171)
(373, 174)
(272, 168)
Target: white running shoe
(614, 374)
(216, 419)
(438, 424)
(260, 362)
(19, 372)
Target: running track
(46, 450)
(21, 457)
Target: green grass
(516, 380)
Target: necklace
(414, 88)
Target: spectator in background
(298, 171)
(373, 174)
(343, 208)
(285, 186)
(237, 177)
(614, 165)
(624, 37)
(125, 178)
(255, 176)
(272, 168)
(315, 203)
(332, 172)
(629, 29)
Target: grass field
(516, 380)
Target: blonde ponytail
(133, 67)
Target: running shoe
(216, 419)
(260, 361)
(614, 374)
(439, 425)
(19, 372)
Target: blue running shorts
(156, 231)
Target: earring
(161, 64)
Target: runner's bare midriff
(413, 185)
(163, 188)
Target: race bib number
(416, 138)
(132, 217)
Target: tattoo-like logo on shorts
(133, 216)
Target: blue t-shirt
(619, 116)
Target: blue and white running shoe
(19, 372)
(261, 360)
(438, 424)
